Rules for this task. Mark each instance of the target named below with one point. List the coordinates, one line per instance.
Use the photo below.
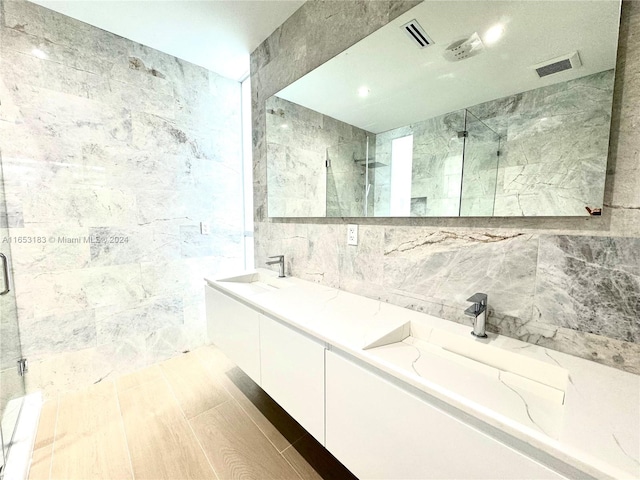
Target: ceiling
(216, 34)
(408, 84)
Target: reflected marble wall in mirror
(506, 112)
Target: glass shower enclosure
(350, 178)
(479, 169)
(12, 387)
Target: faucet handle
(480, 298)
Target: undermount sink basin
(263, 280)
(541, 378)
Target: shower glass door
(12, 388)
(347, 186)
(480, 168)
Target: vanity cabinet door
(381, 431)
(235, 329)
(293, 373)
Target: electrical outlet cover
(352, 234)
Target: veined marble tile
(168, 342)
(195, 244)
(437, 160)
(44, 336)
(12, 386)
(482, 206)
(117, 323)
(590, 284)
(162, 277)
(58, 293)
(299, 141)
(605, 350)
(118, 246)
(106, 137)
(122, 71)
(142, 100)
(153, 133)
(80, 206)
(22, 152)
(182, 205)
(215, 105)
(65, 372)
(67, 118)
(361, 262)
(34, 71)
(293, 51)
(180, 72)
(451, 266)
(103, 165)
(11, 215)
(10, 349)
(49, 247)
(52, 117)
(71, 55)
(47, 24)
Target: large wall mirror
(456, 108)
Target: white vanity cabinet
(293, 373)
(286, 363)
(381, 431)
(235, 329)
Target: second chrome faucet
(478, 311)
(280, 262)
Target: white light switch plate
(204, 228)
(352, 234)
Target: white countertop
(590, 421)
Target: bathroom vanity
(393, 393)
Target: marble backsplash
(526, 265)
(105, 138)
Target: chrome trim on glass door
(5, 273)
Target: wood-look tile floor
(196, 416)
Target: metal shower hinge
(463, 134)
(327, 163)
(23, 366)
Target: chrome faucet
(479, 313)
(280, 262)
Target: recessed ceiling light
(493, 34)
(363, 91)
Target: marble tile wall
(553, 151)
(347, 176)
(107, 139)
(554, 146)
(534, 269)
(481, 161)
(299, 142)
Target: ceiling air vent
(417, 34)
(559, 64)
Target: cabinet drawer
(292, 372)
(378, 430)
(235, 329)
